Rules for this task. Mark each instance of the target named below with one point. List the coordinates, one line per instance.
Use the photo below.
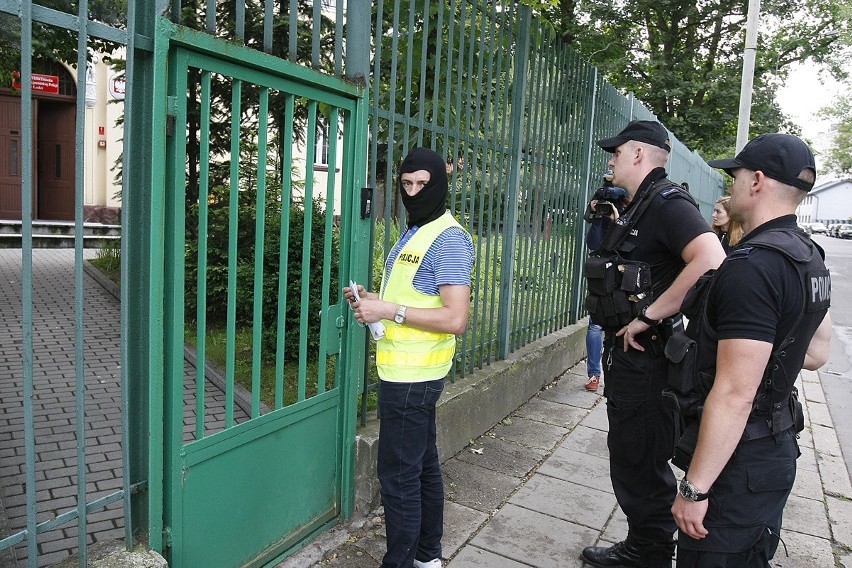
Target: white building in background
(829, 202)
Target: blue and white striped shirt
(449, 260)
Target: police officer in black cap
(677, 245)
(766, 317)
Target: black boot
(624, 554)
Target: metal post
(510, 224)
(747, 84)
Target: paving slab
(808, 484)
(840, 519)
(530, 433)
(533, 538)
(477, 487)
(584, 469)
(460, 523)
(552, 412)
(588, 441)
(806, 516)
(805, 551)
(570, 390)
(566, 500)
(597, 417)
(502, 456)
(474, 557)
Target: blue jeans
(409, 472)
(594, 347)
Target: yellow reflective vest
(406, 354)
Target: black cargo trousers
(642, 434)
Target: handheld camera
(608, 197)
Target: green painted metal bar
(210, 16)
(510, 232)
(79, 316)
(292, 50)
(268, 15)
(233, 226)
(310, 157)
(580, 248)
(390, 194)
(240, 24)
(259, 255)
(58, 19)
(424, 50)
(201, 279)
(173, 294)
(338, 38)
(315, 36)
(448, 75)
(409, 95)
(462, 11)
(155, 310)
(374, 79)
(27, 273)
(436, 76)
(333, 133)
(283, 251)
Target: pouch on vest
(682, 355)
(601, 274)
(798, 411)
(686, 444)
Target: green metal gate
(245, 487)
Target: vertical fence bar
(79, 321)
(233, 221)
(27, 273)
(259, 239)
(510, 233)
(284, 249)
(310, 154)
(579, 245)
(333, 132)
(201, 277)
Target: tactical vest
(692, 354)
(406, 353)
(619, 289)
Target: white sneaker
(436, 563)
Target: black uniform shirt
(757, 293)
(662, 233)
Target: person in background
(730, 232)
(423, 303)
(619, 198)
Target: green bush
(217, 269)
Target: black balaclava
(431, 201)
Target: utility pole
(747, 84)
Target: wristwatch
(689, 492)
(645, 319)
(400, 315)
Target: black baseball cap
(778, 156)
(647, 131)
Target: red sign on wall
(41, 83)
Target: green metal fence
(517, 114)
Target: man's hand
(689, 516)
(630, 331)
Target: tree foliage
(684, 59)
(839, 156)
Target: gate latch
(366, 202)
(333, 324)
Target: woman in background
(729, 231)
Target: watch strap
(645, 319)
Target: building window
(321, 157)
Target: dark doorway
(56, 160)
(10, 157)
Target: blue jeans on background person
(594, 347)
(409, 472)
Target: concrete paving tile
(565, 500)
(812, 391)
(840, 518)
(501, 456)
(473, 557)
(460, 523)
(533, 538)
(476, 487)
(805, 551)
(825, 440)
(570, 390)
(552, 412)
(597, 417)
(616, 529)
(835, 478)
(819, 414)
(806, 438)
(806, 516)
(577, 467)
(588, 441)
(808, 484)
(843, 558)
(530, 433)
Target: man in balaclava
(423, 304)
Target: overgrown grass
(108, 260)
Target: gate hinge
(167, 536)
(171, 115)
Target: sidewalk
(535, 490)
